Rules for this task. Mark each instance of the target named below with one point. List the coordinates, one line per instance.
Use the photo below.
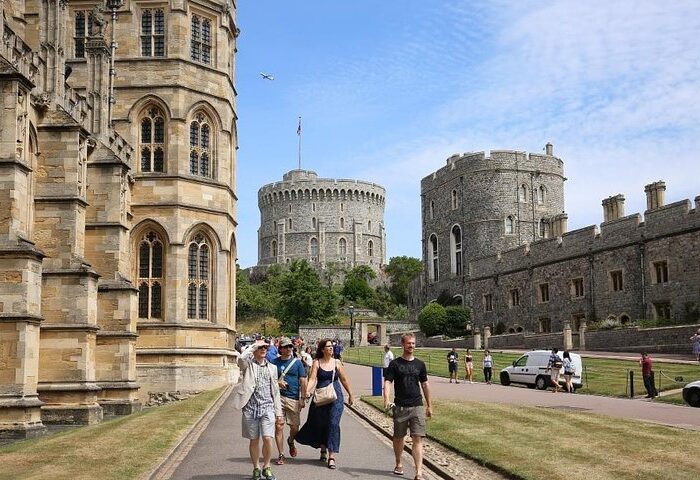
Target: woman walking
(322, 427)
(488, 366)
(568, 372)
(468, 367)
(696, 345)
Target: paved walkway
(220, 453)
(637, 409)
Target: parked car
(531, 370)
(691, 393)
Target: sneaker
(267, 474)
(280, 459)
(257, 474)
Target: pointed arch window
(456, 247)
(200, 43)
(510, 225)
(432, 210)
(541, 192)
(200, 146)
(198, 278)
(455, 199)
(522, 193)
(435, 263)
(370, 248)
(369, 225)
(313, 249)
(543, 228)
(313, 223)
(152, 33)
(342, 223)
(342, 247)
(273, 248)
(150, 276)
(152, 141)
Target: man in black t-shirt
(409, 376)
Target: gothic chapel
(117, 206)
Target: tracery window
(370, 248)
(198, 278)
(313, 248)
(200, 146)
(83, 25)
(150, 276)
(510, 225)
(200, 46)
(152, 33)
(342, 247)
(153, 141)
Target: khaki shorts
(290, 410)
(555, 375)
(406, 418)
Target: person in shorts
(555, 365)
(258, 396)
(408, 376)
(452, 362)
(292, 384)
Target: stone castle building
(495, 238)
(117, 206)
(321, 220)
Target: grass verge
(538, 443)
(122, 448)
(601, 377)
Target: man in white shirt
(388, 356)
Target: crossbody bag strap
(284, 372)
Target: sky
(388, 90)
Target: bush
(500, 328)
(456, 321)
(431, 319)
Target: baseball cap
(258, 345)
(286, 341)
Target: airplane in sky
(266, 76)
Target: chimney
(656, 195)
(549, 149)
(559, 224)
(613, 208)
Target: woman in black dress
(322, 427)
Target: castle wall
(327, 210)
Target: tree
(446, 299)
(302, 298)
(401, 271)
(356, 286)
(431, 319)
(456, 321)
(253, 300)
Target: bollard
(631, 384)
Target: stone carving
(41, 101)
(98, 22)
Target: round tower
(322, 220)
(477, 206)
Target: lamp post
(112, 5)
(351, 311)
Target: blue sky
(389, 89)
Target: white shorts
(254, 428)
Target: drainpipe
(591, 286)
(644, 286)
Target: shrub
(456, 321)
(431, 319)
(500, 328)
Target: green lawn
(124, 448)
(601, 376)
(544, 443)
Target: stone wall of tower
(496, 202)
(344, 217)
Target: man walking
(555, 364)
(648, 376)
(292, 384)
(452, 364)
(409, 376)
(258, 395)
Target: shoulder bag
(326, 395)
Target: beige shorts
(406, 418)
(555, 375)
(290, 410)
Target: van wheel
(541, 383)
(694, 398)
(505, 379)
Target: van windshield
(522, 361)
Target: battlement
(671, 219)
(305, 184)
(497, 160)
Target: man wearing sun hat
(258, 396)
(292, 384)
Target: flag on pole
(299, 127)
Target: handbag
(325, 395)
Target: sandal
(398, 470)
(331, 463)
(324, 457)
(292, 448)
(280, 459)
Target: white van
(531, 370)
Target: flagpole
(299, 135)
